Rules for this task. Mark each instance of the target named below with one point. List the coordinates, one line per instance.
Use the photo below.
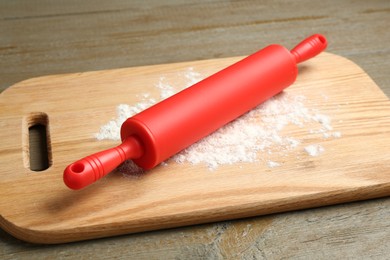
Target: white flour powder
(254, 137)
(314, 149)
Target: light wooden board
(37, 207)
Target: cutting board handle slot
(36, 146)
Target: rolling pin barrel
(184, 118)
(166, 128)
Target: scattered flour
(314, 149)
(272, 164)
(253, 137)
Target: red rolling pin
(166, 128)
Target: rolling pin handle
(94, 167)
(309, 48)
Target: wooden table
(44, 37)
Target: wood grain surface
(45, 37)
(182, 194)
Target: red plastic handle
(309, 48)
(91, 168)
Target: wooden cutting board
(38, 207)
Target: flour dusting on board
(256, 136)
